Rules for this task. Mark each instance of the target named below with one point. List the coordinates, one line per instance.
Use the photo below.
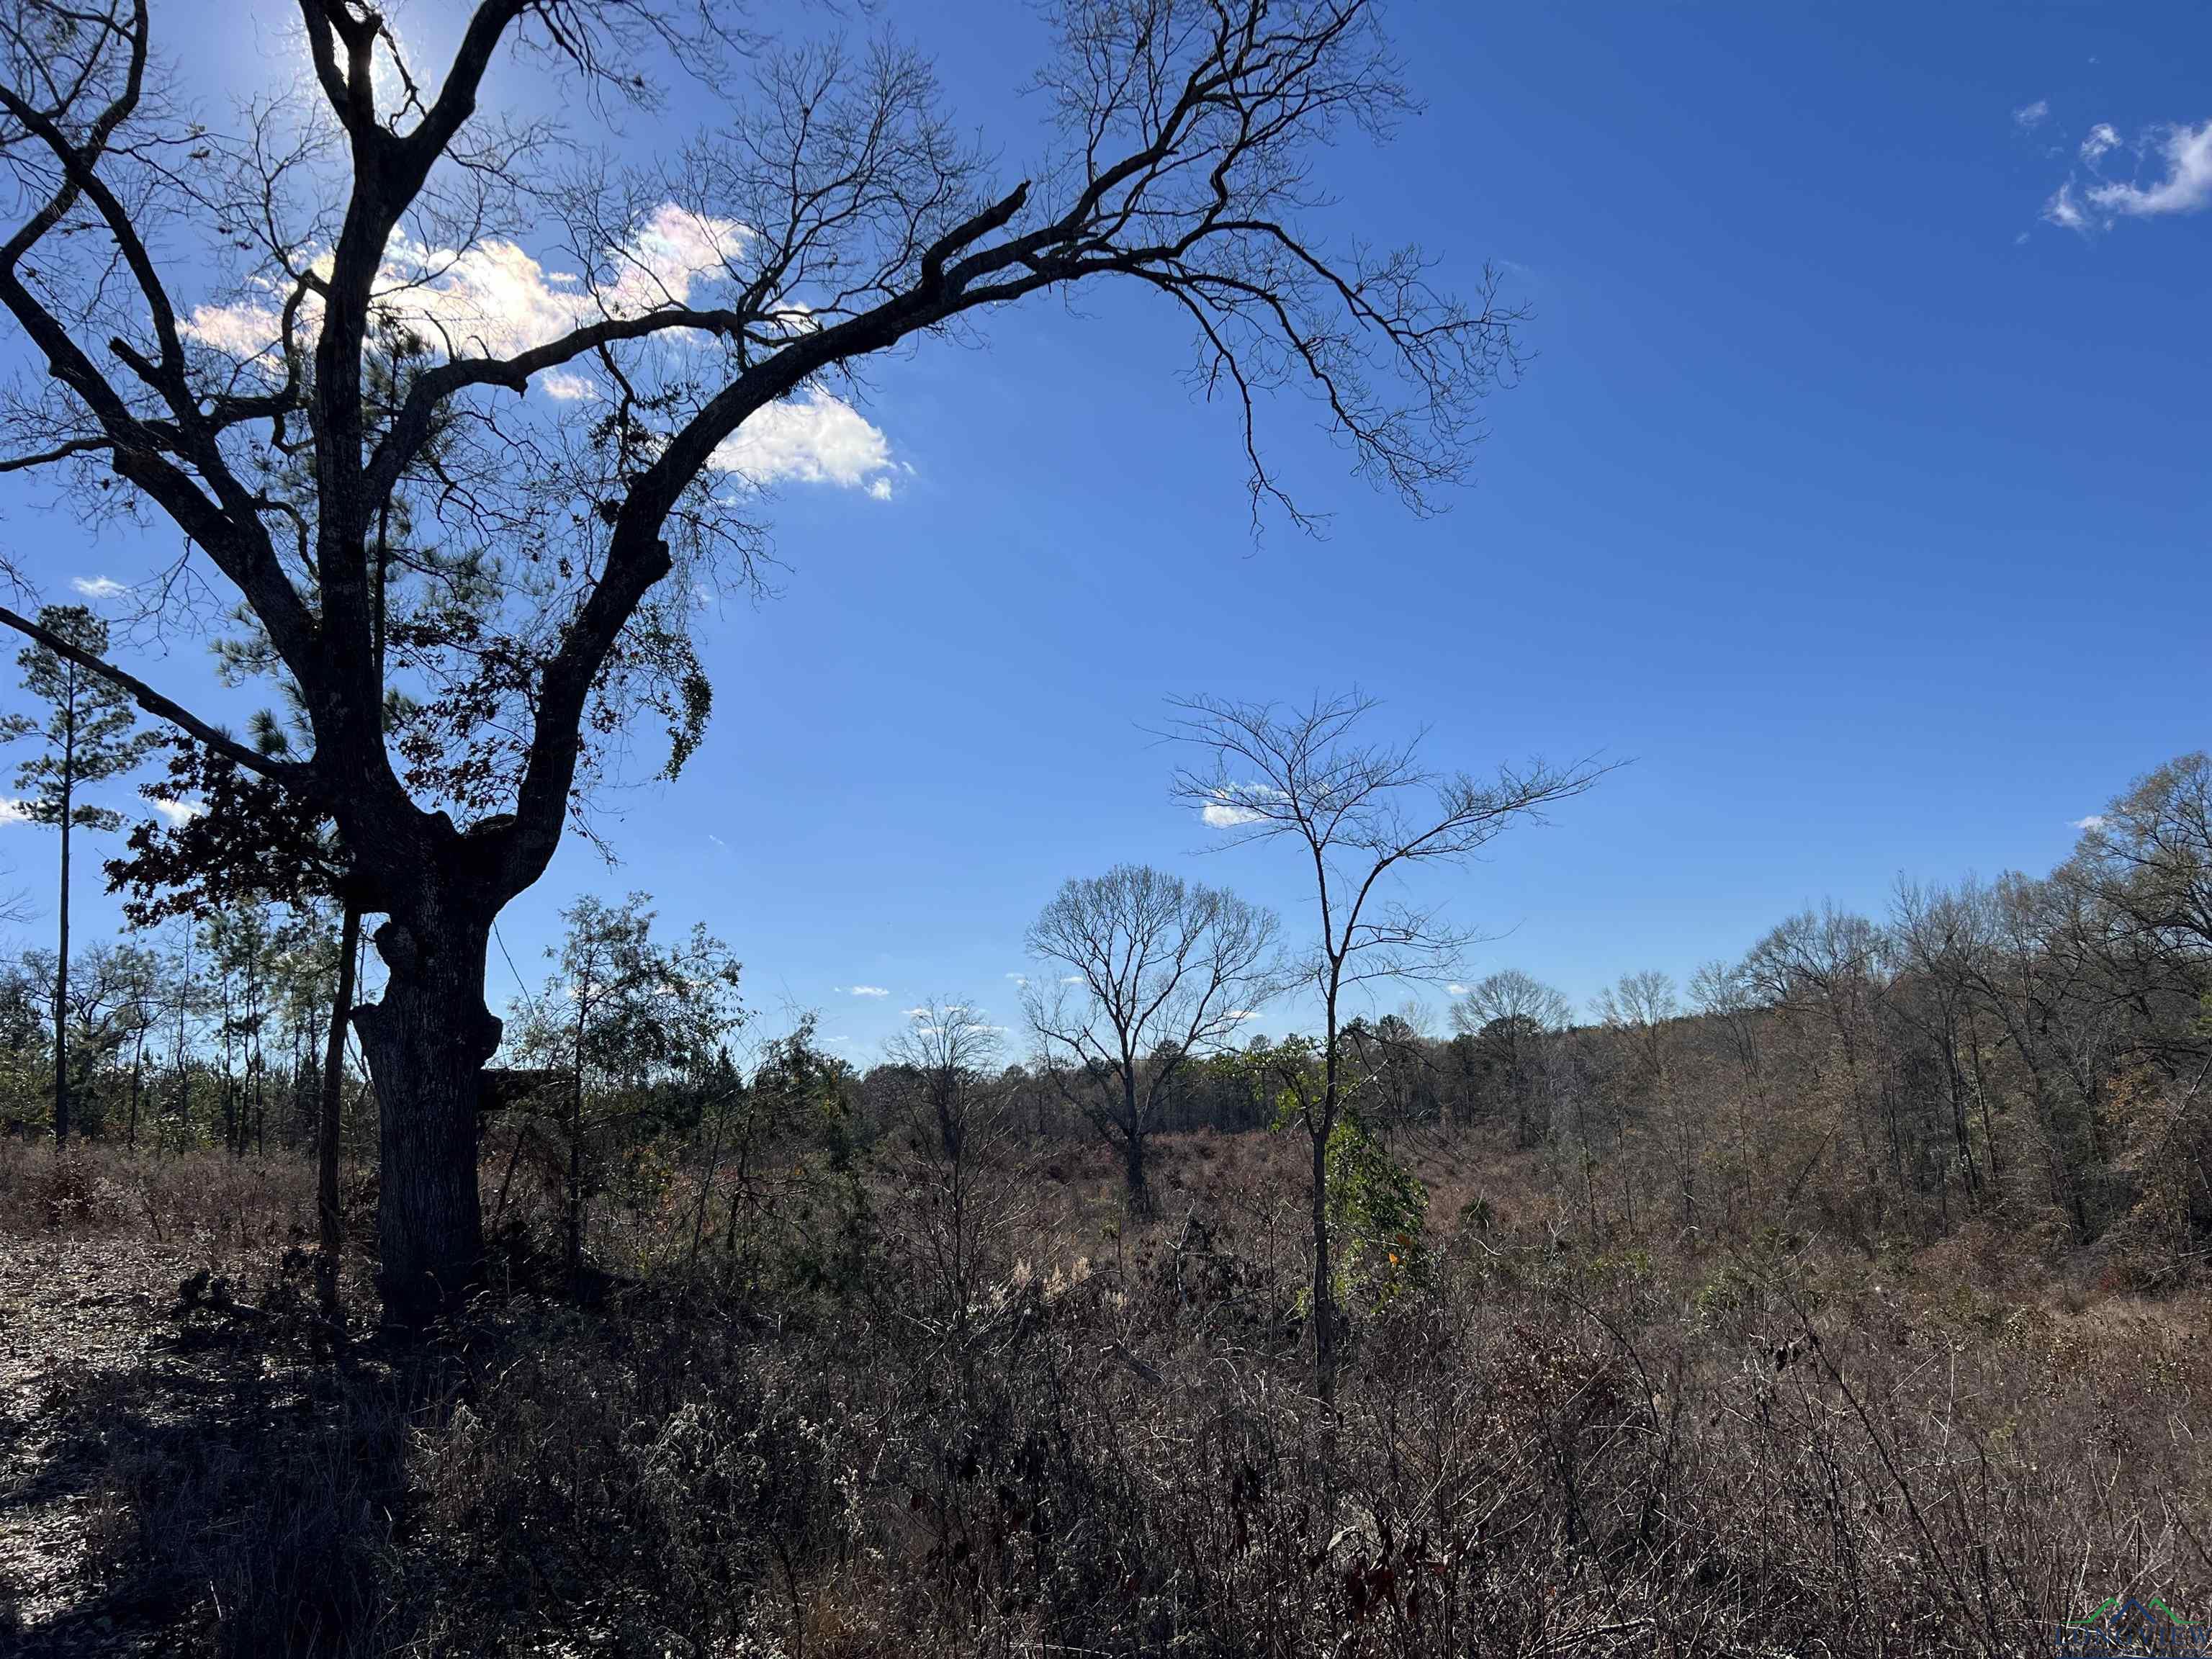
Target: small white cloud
(14, 811)
(1071, 979)
(880, 490)
(2028, 117)
(99, 587)
(1228, 808)
(1243, 1013)
(567, 385)
(1237, 804)
(2094, 821)
(2186, 187)
(1458, 990)
(179, 811)
(916, 1013)
(865, 991)
(718, 841)
(2064, 209)
(1019, 979)
(2184, 184)
(814, 437)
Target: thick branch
(291, 773)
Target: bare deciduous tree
(353, 371)
(958, 1122)
(1361, 816)
(1162, 972)
(1512, 1015)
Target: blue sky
(1853, 495)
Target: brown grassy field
(1097, 1440)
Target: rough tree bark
(427, 1040)
(331, 1239)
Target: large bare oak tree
(283, 334)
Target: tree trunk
(428, 1041)
(1324, 1300)
(137, 1077)
(61, 971)
(1133, 1141)
(1140, 1194)
(572, 1250)
(332, 1238)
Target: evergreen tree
(87, 735)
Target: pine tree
(88, 734)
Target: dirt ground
(128, 1404)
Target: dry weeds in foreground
(1542, 1448)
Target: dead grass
(1777, 1446)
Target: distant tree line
(2032, 1051)
(195, 1034)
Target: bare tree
(956, 1122)
(1511, 1016)
(354, 370)
(1361, 816)
(1721, 993)
(1640, 1009)
(1159, 972)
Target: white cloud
(2185, 184)
(814, 437)
(2064, 210)
(865, 991)
(917, 1013)
(1019, 979)
(179, 811)
(567, 385)
(2102, 137)
(2031, 116)
(1243, 1013)
(1457, 990)
(494, 298)
(1236, 804)
(2094, 821)
(1071, 979)
(14, 811)
(99, 587)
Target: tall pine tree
(88, 734)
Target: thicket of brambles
(1847, 1299)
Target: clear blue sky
(1860, 502)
